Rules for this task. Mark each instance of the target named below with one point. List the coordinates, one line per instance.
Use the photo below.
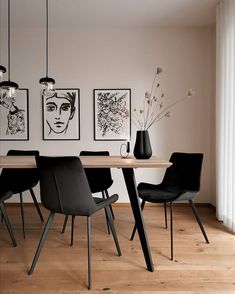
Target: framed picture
(112, 115)
(61, 115)
(14, 117)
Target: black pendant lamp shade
(46, 80)
(8, 88)
(47, 84)
(2, 71)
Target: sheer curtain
(225, 112)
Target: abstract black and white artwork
(112, 119)
(14, 117)
(61, 115)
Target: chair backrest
(20, 180)
(64, 186)
(185, 171)
(99, 179)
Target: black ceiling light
(47, 84)
(8, 88)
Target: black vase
(142, 149)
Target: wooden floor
(197, 268)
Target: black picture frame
(112, 114)
(66, 128)
(14, 117)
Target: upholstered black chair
(181, 182)
(100, 180)
(65, 190)
(19, 180)
(4, 195)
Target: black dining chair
(4, 195)
(181, 182)
(20, 180)
(100, 180)
(65, 190)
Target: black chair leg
(65, 223)
(72, 226)
(22, 214)
(36, 204)
(134, 229)
(42, 241)
(107, 222)
(89, 250)
(195, 212)
(8, 224)
(110, 206)
(110, 218)
(165, 211)
(171, 221)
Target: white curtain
(225, 113)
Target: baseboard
(123, 204)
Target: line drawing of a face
(59, 111)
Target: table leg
(130, 181)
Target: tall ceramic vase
(142, 149)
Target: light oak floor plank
(197, 267)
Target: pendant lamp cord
(46, 38)
(9, 40)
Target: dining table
(127, 165)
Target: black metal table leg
(130, 181)
(134, 229)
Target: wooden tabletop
(89, 162)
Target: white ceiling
(177, 13)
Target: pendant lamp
(8, 88)
(47, 84)
(2, 71)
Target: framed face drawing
(112, 119)
(14, 117)
(61, 115)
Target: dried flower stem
(136, 121)
(153, 107)
(163, 111)
(146, 120)
(153, 84)
(144, 113)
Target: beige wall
(90, 58)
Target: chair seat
(16, 184)
(5, 194)
(20, 187)
(158, 193)
(188, 195)
(101, 202)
